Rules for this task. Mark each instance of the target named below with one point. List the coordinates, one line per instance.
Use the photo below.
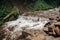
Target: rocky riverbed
(39, 25)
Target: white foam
(28, 22)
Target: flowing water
(14, 28)
(28, 22)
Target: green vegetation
(7, 12)
(39, 5)
(35, 5)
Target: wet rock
(57, 23)
(54, 28)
